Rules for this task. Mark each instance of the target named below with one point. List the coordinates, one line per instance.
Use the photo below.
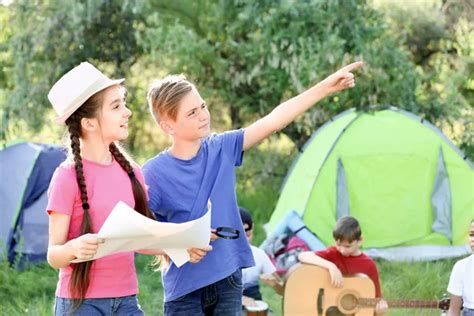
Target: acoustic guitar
(308, 291)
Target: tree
(259, 53)
(246, 56)
(49, 39)
(440, 36)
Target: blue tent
(26, 170)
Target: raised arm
(287, 112)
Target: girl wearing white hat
(84, 191)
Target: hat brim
(63, 117)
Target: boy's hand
(196, 254)
(341, 79)
(336, 276)
(381, 307)
(213, 235)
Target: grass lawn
(31, 292)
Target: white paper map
(127, 230)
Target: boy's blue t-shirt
(178, 192)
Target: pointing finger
(352, 66)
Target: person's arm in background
(248, 301)
(310, 257)
(274, 281)
(455, 305)
(455, 288)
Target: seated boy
(346, 258)
(461, 283)
(263, 269)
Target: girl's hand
(341, 79)
(336, 276)
(196, 254)
(85, 247)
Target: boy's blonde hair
(347, 229)
(164, 95)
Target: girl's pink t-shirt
(110, 276)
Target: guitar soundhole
(334, 311)
(349, 302)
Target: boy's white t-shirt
(461, 282)
(263, 265)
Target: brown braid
(141, 204)
(79, 282)
(80, 274)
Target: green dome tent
(410, 188)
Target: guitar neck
(370, 302)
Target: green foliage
(48, 39)
(150, 288)
(245, 56)
(440, 36)
(273, 50)
(259, 180)
(415, 281)
(28, 292)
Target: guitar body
(308, 291)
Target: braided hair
(80, 275)
(141, 205)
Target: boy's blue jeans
(117, 306)
(221, 298)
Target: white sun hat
(75, 87)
